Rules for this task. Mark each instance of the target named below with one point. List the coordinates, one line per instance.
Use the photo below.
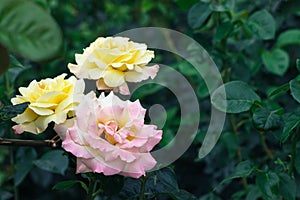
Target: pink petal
(123, 89)
(139, 167)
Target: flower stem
(92, 184)
(143, 187)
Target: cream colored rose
(51, 100)
(113, 61)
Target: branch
(38, 143)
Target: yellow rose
(113, 61)
(50, 100)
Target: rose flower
(113, 61)
(109, 136)
(50, 100)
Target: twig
(239, 153)
(41, 143)
(265, 146)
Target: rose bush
(113, 61)
(50, 100)
(109, 136)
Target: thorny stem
(41, 143)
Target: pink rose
(109, 136)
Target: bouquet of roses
(105, 133)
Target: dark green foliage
(37, 38)
(239, 97)
(9, 111)
(256, 47)
(265, 119)
(53, 161)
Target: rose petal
(113, 78)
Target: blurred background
(224, 29)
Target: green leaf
(68, 184)
(298, 64)
(24, 163)
(9, 111)
(265, 182)
(54, 161)
(146, 90)
(276, 61)
(43, 4)
(185, 4)
(291, 121)
(5, 195)
(158, 183)
(210, 196)
(181, 195)
(187, 69)
(223, 30)
(254, 193)
(202, 90)
(287, 187)
(280, 90)
(231, 142)
(15, 63)
(15, 72)
(35, 33)
(198, 14)
(295, 89)
(262, 24)
(165, 181)
(239, 97)
(289, 37)
(222, 6)
(265, 119)
(4, 60)
(243, 169)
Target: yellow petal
(52, 97)
(41, 111)
(27, 116)
(65, 103)
(113, 78)
(43, 105)
(19, 99)
(117, 65)
(144, 59)
(28, 127)
(42, 122)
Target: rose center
(111, 128)
(114, 134)
(123, 68)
